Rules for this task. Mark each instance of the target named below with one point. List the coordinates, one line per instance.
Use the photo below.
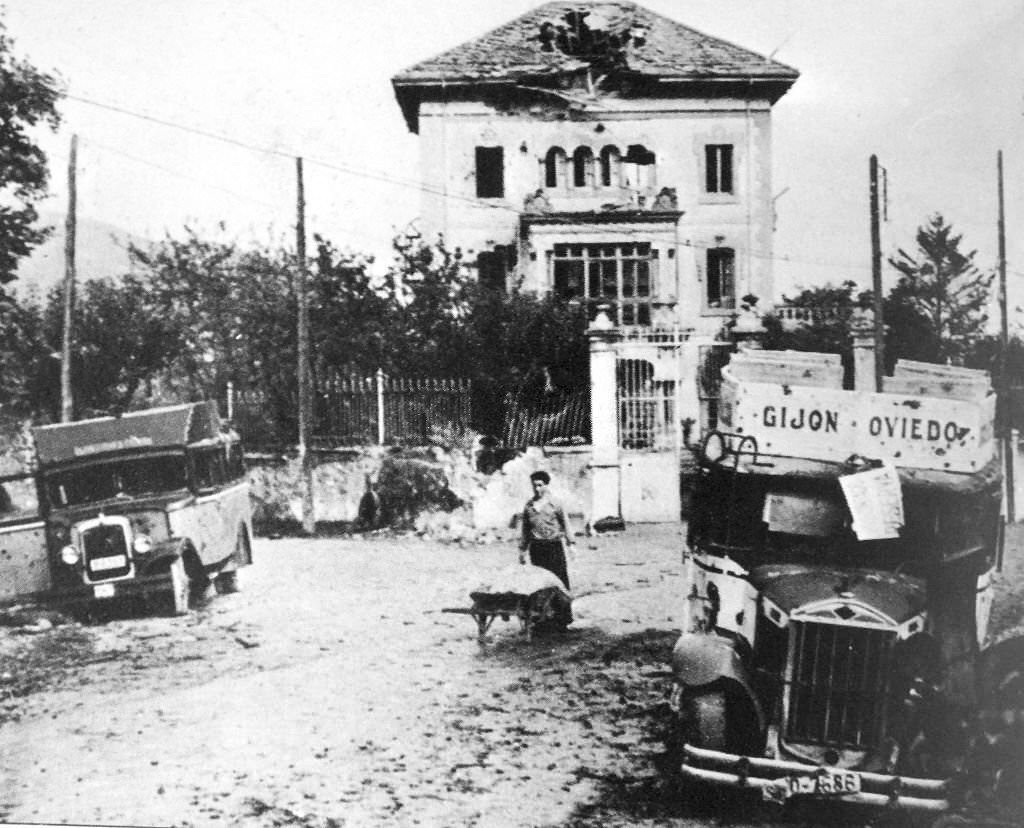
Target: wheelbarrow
(531, 594)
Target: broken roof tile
(657, 47)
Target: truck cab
(839, 582)
(152, 503)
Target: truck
(839, 581)
(151, 504)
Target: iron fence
(352, 410)
(550, 418)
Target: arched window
(611, 173)
(554, 168)
(583, 167)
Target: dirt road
(332, 691)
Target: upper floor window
(554, 168)
(638, 167)
(718, 168)
(490, 172)
(621, 274)
(721, 278)
(583, 167)
(610, 161)
(610, 168)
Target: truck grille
(838, 692)
(106, 551)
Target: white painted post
(380, 406)
(604, 463)
(687, 391)
(231, 401)
(862, 334)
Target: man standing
(544, 524)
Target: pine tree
(943, 287)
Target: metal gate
(649, 428)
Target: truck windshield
(116, 478)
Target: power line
(337, 167)
(380, 177)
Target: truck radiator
(106, 551)
(837, 696)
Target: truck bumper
(771, 777)
(140, 585)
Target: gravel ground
(333, 691)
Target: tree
(942, 285)
(825, 327)
(28, 99)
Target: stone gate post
(604, 464)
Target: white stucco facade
(676, 131)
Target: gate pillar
(604, 463)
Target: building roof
(565, 36)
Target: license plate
(824, 783)
(103, 564)
(103, 591)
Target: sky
(191, 113)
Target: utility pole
(67, 404)
(876, 275)
(305, 392)
(1004, 345)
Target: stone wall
(485, 504)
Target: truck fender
(702, 659)
(164, 553)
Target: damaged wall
(484, 504)
(676, 131)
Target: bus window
(208, 468)
(18, 498)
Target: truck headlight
(142, 544)
(69, 554)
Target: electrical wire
(388, 178)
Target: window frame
(610, 167)
(490, 172)
(587, 271)
(583, 168)
(554, 168)
(218, 476)
(719, 163)
(726, 299)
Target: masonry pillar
(604, 464)
(748, 330)
(862, 336)
(688, 392)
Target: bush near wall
(405, 482)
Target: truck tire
(226, 583)
(702, 720)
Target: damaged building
(615, 157)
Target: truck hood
(792, 587)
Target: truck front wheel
(702, 719)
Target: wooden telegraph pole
(67, 405)
(305, 391)
(876, 275)
(1004, 345)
